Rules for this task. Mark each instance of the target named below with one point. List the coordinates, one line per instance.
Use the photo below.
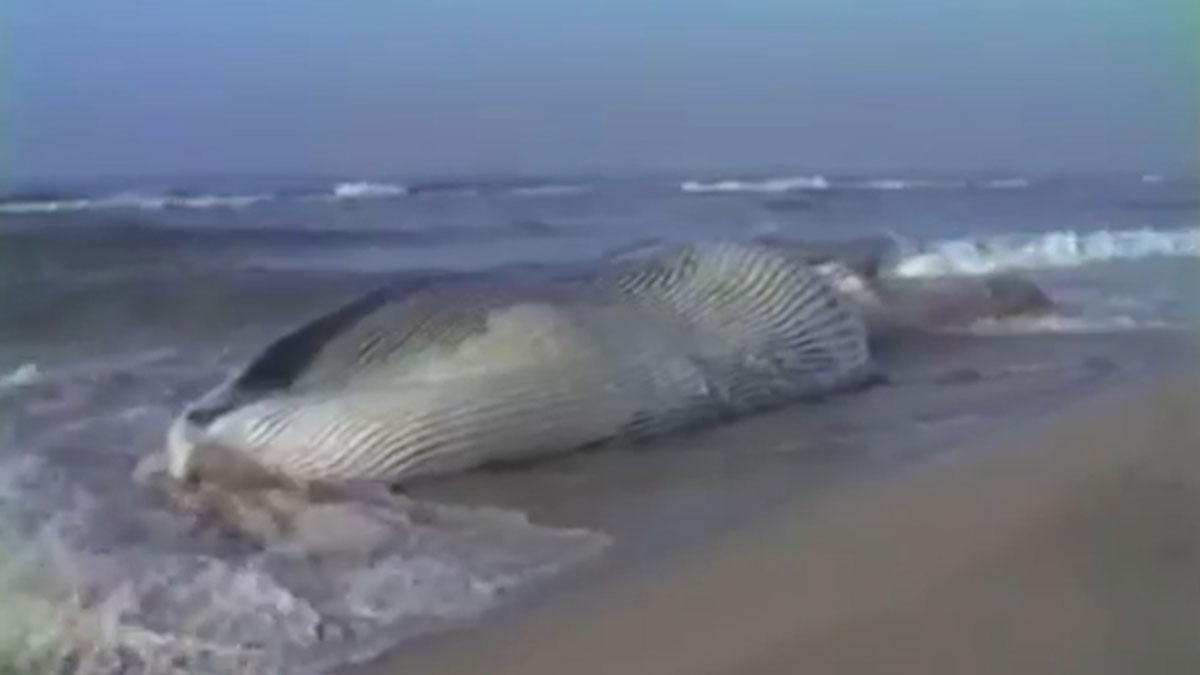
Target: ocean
(123, 300)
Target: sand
(1069, 544)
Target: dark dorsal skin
(287, 359)
(284, 360)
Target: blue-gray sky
(411, 86)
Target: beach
(1068, 543)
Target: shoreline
(1068, 544)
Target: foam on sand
(117, 570)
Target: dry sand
(1069, 545)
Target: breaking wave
(1007, 184)
(1057, 323)
(134, 201)
(819, 182)
(368, 190)
(548, 190)
(770, 185)
(904, 184)
(1048, 250)
(100, 573)
(24, 375)
(154, 201)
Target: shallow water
(113, 317)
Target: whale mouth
(205, 416)
(182, 443)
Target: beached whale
(457, 374)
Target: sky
(406, 87)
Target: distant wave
(450, 188)
(1007, 184)
(132, 200)
(367, 190)
(933, 184)
(770, 185)
(1056, 323)
(1065, 248)
(890, 184)
(1152, 178)
(548, 190)
(153, 201)
(819, 182)
(46, 206)
(903, 184)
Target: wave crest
(1007, 184)
(367, 190)
(548, 190)
(133, 201)
(906, 184)
(770, 185)
(1049, 250)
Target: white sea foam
(889, 184)
(1056, 323)
(25, 375)
(1152, 178)
(53, 206)
(150, 586)
(367, 190)
(150, 201)
(770, 185)
(216, 201)
(819, 182)
(931, 184)
(1059, 249)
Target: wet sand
(1069, 543)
